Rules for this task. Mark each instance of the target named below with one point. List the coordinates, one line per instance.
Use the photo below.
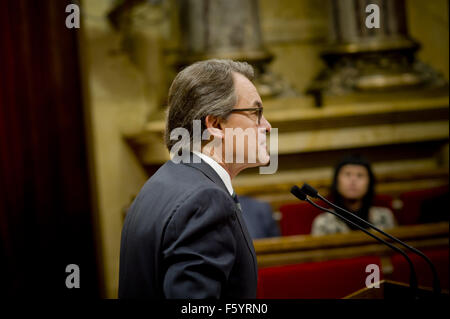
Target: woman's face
(353, 181)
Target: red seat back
(440, 259)
(297, 219)
(383, 200)
(412, 200)
(316, 280)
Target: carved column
(362, 59)
(227, 29)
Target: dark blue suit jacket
(184, 237)
(258, 218)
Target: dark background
(46, 208)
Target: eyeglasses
(257, 109)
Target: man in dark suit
(258, 217)
(184, 236)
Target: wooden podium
(395, 290)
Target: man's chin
(263, 160)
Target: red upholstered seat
(412, 200)
(440, 259)
(316, 280)
(297, 218)
(383, 200)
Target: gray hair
(201, 89)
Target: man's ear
(213, 126)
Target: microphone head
(309, 190)
(297, 192)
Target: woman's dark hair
(367, 200)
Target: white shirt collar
(223, 174)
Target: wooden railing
(307, 248)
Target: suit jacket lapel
(247, 237)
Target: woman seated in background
(353, 189)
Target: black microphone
(312, 192)
(300, 194)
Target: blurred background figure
(258, 218)
(353, 189)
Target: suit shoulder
(202, 209)
(207, 197)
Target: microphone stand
(412, 278)
(309, 190)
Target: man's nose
(265, 124)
